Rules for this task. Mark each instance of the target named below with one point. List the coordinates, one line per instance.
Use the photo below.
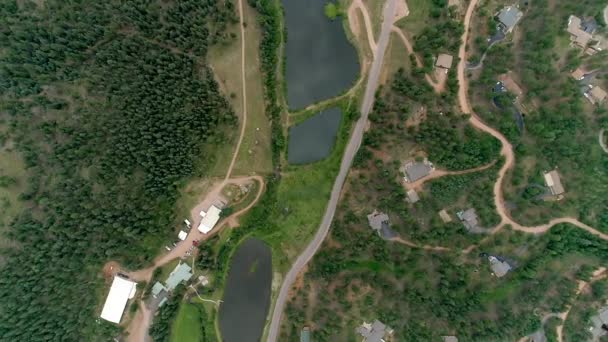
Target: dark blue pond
(313, 139)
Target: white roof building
(182, 235)
(210, 219)
(121, 291)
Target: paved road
(606, 15)
(349, 154)
(601, 135)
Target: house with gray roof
(508, 17)
(157, 289)
(499, 267)
(470, 220)
(598, 322)
(374, 332)
(379, 222)
(182, 272)
(414, 170)
(412, 196)
(450, 339)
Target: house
(181, 272)
(577, 33)
(209, 220)
(416, 170)
(554, 183)
(157, 289)
(595, 95)
(305, 334)
(499, 267)
(412, 196)
(510, 85)
(444, 61)
(578, 74)
(121, 291)
(445, 217)
(469, 219)
(374, 332)
(450, 339)
(599, 323)
(376, 219)
(508, 17)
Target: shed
(444, 61)
(445, 217)
(121, 291)
(305, 334)
(210, 219)
(182, 272)
(182, 235)
(412, 196)
(450, 339)
(509, 16)
(554, 183)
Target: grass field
(397, 57)
(187, 325)
(254, 154)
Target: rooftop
(376, 219)
(121, 291)
(417, 170)
(554, 183)
(499, 267)
(182, 272)
(158, 288)
(444, 61)
(373, 332)
(469, 219)
(597, 94)
(509, 17)
(578, 74)
(412, 196)
(445, 217)
(450, 339)
(510, 84)
(578, 35)
(209, 220)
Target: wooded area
(111, 106)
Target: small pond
(313, 139)
(247, 293)
(321, 62)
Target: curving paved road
(349, 154)
(601, 135)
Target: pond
(313, 139)
(321, 62)
(247, 293)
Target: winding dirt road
(354, 23)
(438, 173)
(506, 150)
(349, 154)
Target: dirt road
(349, 153)
(354, 22)
(438, 173)
(506, 150)
(438, 86)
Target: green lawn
(187, 326)
(418, 18)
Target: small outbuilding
(578, 74)
(450, 339)
(412, 196)
(209, 219)
(121, 291)
(595, 95)
(182, 235)
(445, 217)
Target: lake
(247, 293)
(321, 62)
(313, 139)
